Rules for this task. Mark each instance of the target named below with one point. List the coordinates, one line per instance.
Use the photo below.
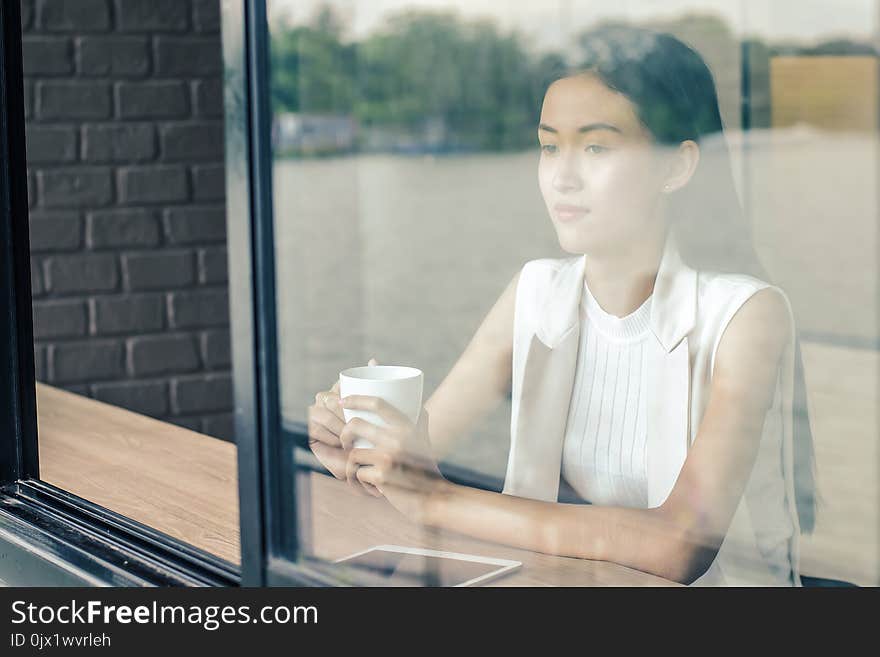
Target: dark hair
(674, 95)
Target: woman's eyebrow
(584, 128)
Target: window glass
(124, 115)
(420, 153)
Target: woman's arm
(473, 387)
(679, 539)
(478, 380)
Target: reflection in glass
(410, 189)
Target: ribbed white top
(604, 452)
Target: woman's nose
(567, 177)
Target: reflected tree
(451, 85)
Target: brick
(74, 100)
(206, 15)
(187, 56)
(158, 271)
(152, 15)
(130, 313)
(213, 266)
(27, 14)
(118, 142)
(50, 144)
(28, 99)
(59, 319)
(194, 224)
(202, 394)
(157, 184)
(55, 231)
(78, 16)
(75, 187)
(85, 272)
(153, 355)
(37, 287)
(146, 397)
(152, 100)
(198, 308)
(216, 351)
(120, 227)
(40, 363)
(94, 360)
(116, 56)
(220, 426)
(42, 55)
(191, 142)
(208, 96)
(209, 182)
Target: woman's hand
(400, 465)
(325, 423)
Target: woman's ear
(683, 164)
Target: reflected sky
(548, 24)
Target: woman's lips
(569, 212)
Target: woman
(661, 392)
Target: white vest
(689, 313)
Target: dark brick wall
(128, 231)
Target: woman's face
(599, 170)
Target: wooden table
(344, 522)
(184, 484)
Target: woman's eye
(548, 148)
(596, 149)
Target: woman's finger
(368, 476)
(358, 428)
(375, 405)
(351, 466)
(367, 470)
(358, 460)
(325, 426)
(326, 417)
(331, 403)
(380, 437)
(319, 434)
(379, 468)
(363, 476)
(332, 458)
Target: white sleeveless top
(688, 314)
(604, 453)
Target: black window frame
(48, 536)
(51, 537)
(267, 440)
(270, 555)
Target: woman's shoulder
(715, 281)
(543, 273)
(722, 295)
(721, 290)
(545, 276)
(546, 285)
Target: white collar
(673, 308)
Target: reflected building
(312, 134)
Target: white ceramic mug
(398, 385)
